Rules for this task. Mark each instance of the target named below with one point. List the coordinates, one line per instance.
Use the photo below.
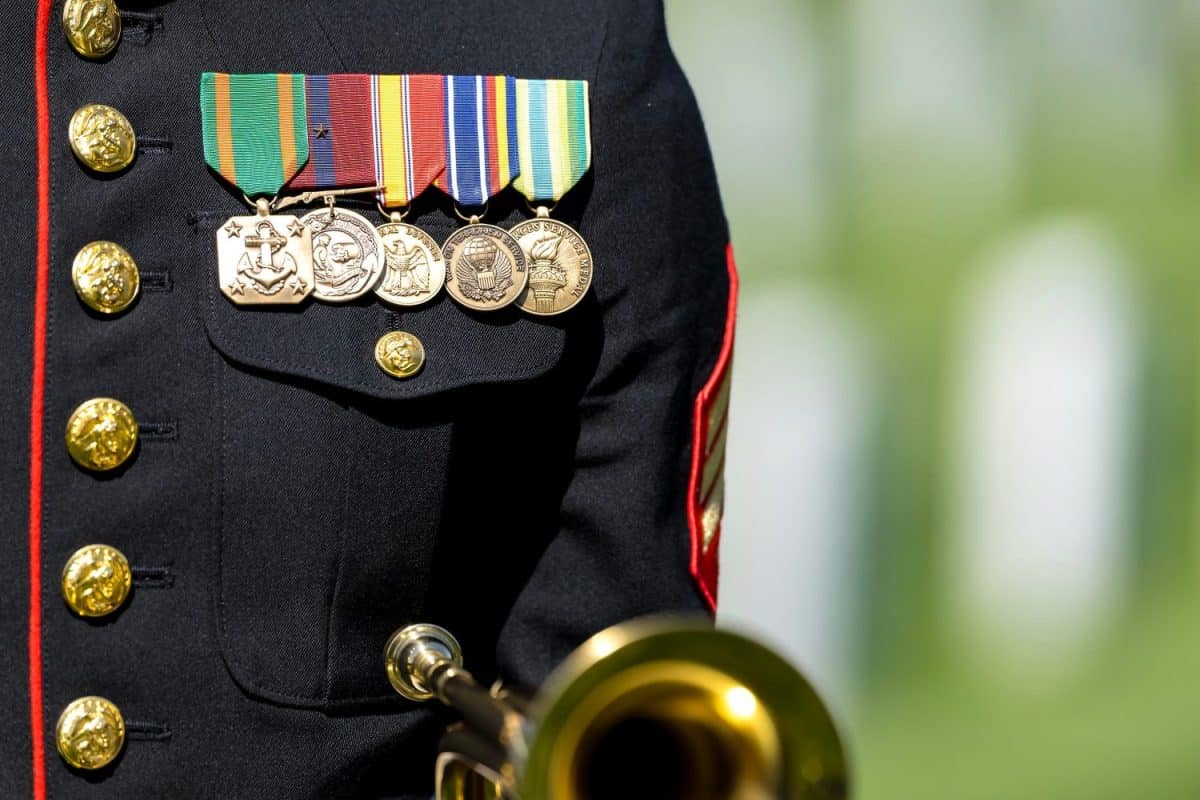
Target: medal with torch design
(555, 152)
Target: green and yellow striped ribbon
(554, 137)
(255, 128)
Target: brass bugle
(653, 709)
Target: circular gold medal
(560, 265)
(347, 254)
(485, 267)
(414, 269)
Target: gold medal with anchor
(265, 259)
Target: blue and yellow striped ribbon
(554, 137)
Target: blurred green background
(963, 456)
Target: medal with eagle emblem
(415, 270)
(486, 268)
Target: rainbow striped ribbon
(384, 130)
(554, 135)
(481, 137)
(254, 129)
(469, 135)
(410, 136)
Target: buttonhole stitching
(138, 27)
(147, 731)
(158, 431)
(153, 577)
(155, 144)
(156, 281)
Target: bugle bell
(650, 709)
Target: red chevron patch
(706, 488)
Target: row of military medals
(337, 255)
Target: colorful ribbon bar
(340, 129)
(254, 128)
(384, 130)
(410, 136)
(469, 135)
(481, 137)
(555, 137)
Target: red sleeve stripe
(36, 403)
(706, 487)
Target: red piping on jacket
(36, 403)
(704, 562)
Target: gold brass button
(102, 138)
(90, 733)
(101, 434)
(105, 277)
(400, 354)
(96, 580)
(93, 27)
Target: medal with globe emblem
(486, 268)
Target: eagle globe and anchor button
(93, 27)
(106, 277)
(399, 354)
(90, 733)
(102, 434)
(102, 138)
(96, 580)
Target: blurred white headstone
(795, 480)
(1043, 418)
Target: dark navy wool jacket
(289, 504)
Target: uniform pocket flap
(335, 344)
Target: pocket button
(400, 354)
